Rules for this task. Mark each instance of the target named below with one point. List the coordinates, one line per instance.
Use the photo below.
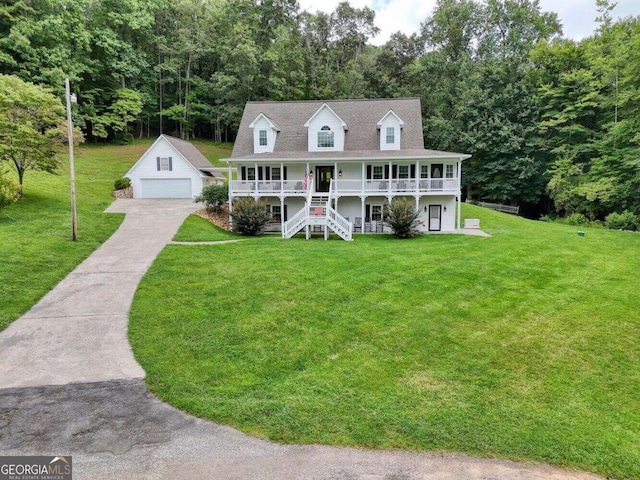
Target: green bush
(622, 221)
(9, 190)
(402, 217)
(214, 196)
(121, 183)
(249, 217)
(577, 219)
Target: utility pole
(72, 173)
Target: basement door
(435, 218)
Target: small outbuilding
(172, 168)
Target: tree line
(552, 123)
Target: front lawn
(197, 229)
(523, 345)
(36, 250)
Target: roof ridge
(255, 102)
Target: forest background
(553, 124)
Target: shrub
(121, 183)
(622, 221)
(402, 216)
(214, 196)
(9, 190)
(576, 219)
(249, 217)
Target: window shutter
(368, 172)
(158, 163)
(259, 173)
(284, 173)
(413, 170)
(285, 214)
(244, 173)
(170, 164)
(267, 173)
(386, 172)
(367, 213)
(394, 171)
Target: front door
(323, 178)
(435, 212)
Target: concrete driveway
(69, 385)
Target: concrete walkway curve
(78, 331)
(69, 385)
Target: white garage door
(166, 188)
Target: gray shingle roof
(190, 152)
(361, 138)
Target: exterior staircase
(318, 212)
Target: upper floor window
(377, 172)
(251, 173)
(403, 171)
(275, 173)
(424, 171)
(325, 137)
(165, 164)
(448, 171)
(262, 138)
(391, 135)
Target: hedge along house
(333, 165)
(172, 168)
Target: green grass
(523, 345)
(36, 250)
(197, 229)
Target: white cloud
(577, 16)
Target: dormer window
(391, 135)
(325, 137)
(265, 133)
(390, 127)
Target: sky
(577, 16)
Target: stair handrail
(295, 222)
(340, 222)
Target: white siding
(263, 124)
(390, 121)
(447, 219)
(147, 168)
(326, 117)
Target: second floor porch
(348, 179)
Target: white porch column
(364, 175)
(389, 180)
(255, 165)
(417, 179)
(362, 213)
(230, 202)
(459, 199)
(282, 220)
(281, 177)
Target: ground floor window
(276, 213)
(376, 213)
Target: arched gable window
(325, 137)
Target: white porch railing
(295, 223)
(339, 224)
(342, 187)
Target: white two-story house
(333, 165)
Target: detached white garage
(171, 168)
